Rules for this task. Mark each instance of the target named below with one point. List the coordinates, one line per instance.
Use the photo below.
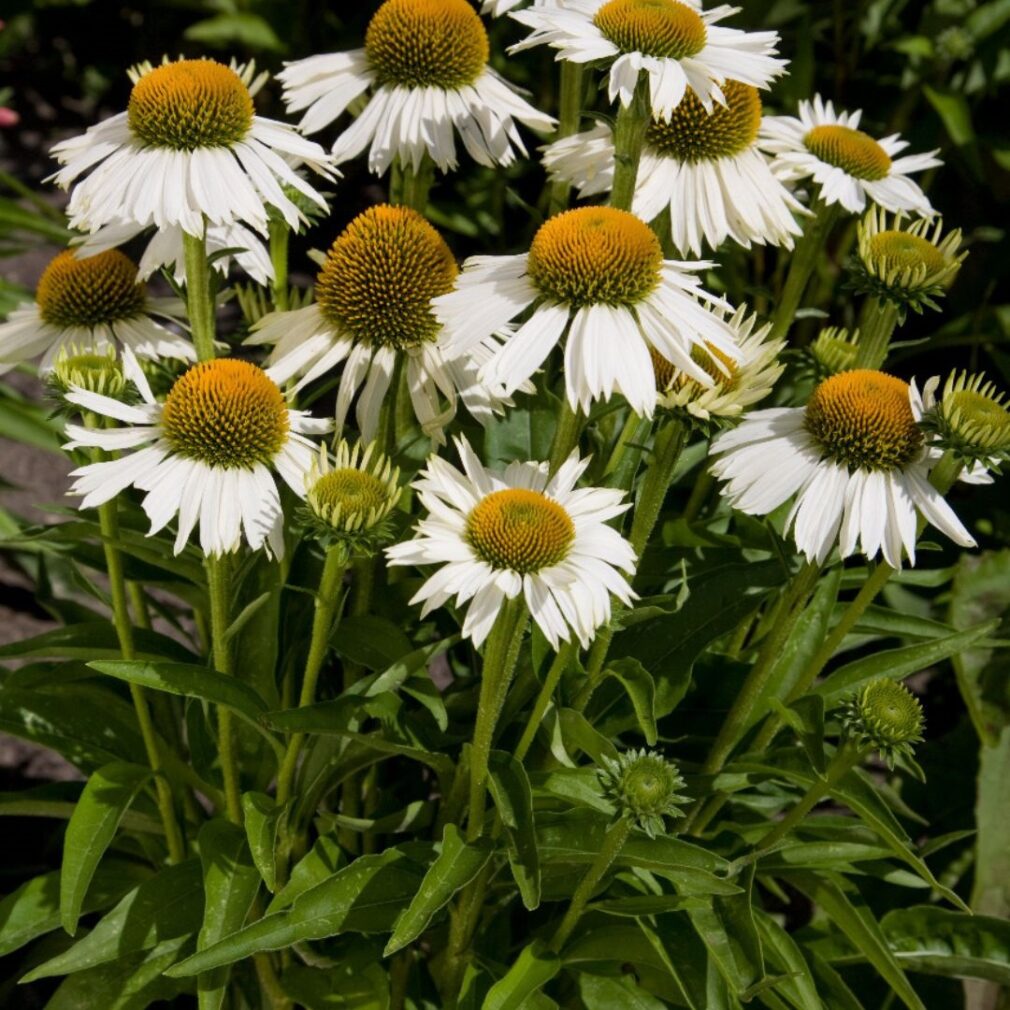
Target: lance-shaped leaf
(530, 972)
(641, 689)
(94, 640)
(263, 823)
(510, 789)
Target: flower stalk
(875, 331)
(199, 295)
(629, 138)
(571, 85)
(280, 236)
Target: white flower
(496, 535)
(706, 170)
(95, 302)
(425, 62)
(597, 274)
(970, 418)
(188, 148)
(165, 249)
(207, 454)
(854, 459)
(676, 43)
(374, 309)
(846, 163)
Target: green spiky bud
(886, 716)
(833, 351)
(970, 418)
(644, 787)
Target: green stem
(199, 299)
(280, 235)
(327, 600)
(656, 482)
(802, 264)
(410, 188)
(500, 657)
(629, 138)
(219, 590)
(569, 118)
(613, 842)
(627, 453)
(566, 434)
(846, 757)
(875, 330)
(551, 681)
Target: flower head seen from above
(908, 264)
(426, 65)
(737, 383)
(849, 166)
(373, 308)
(705, 169)
(93, 302)
(207, 454)
(189, 149)
(677, 44)
(886, 717)
(598, 275)
(645, 788)
(496, 535)
(854, 459)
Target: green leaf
(364, 897)
(235, 28)
(230, 883)
(320, 863)
(954, 111)
(603, 992)
(109, 792)
(167, 906)
(34, 908)
(785, 956)
(264, 821)
(898, 663)
(94, 640)
(530, 972)
(456, 865)
(345, 986)
(846, 910)
(641, 688)
(513, 798)
(937, 941)
(523, 433)
(371, 641)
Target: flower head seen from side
(93, 302)
(886, 717)
(598, 275)
(207, 454)
(677, 44)
(848, 165)
(425, 63)
(737, 383)
(706, 169)
(645, 788)
(189, 150)
(909, 264)
(833, 350)
(855, 462)
(374, 297)
(496, 535)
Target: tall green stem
(500, 659)
(219, 590)
(280, 235)
(802, 264)
(199, 298)
(409, 188)
(555, 672)
(566, 434)
(875, 330)
(569, 116)
(617, 834)
(327, 600)
(629, 138)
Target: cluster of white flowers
(190, 160)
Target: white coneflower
(706, 169)
(189, 150)
(597, 274)
(677, 44)
(854, 459)
(207, 454)
(374, 309)
(92, 302)
(426, 65)
(848, 164)
(496, 535)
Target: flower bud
(644, 787)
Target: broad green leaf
(364, 897)
(34, 908)
(530, 972)
(844, 907)
(342, 987)
(456, 865)
(513, 798)
(639, 905)
(413, 817)
(954, 111)
(785, 956)
(110, 790)
(606, 992)
(94, 640)
(241, 29)
(167, 906)
(523, 433)
(937, 941)
(264, 821)
(59, 800)
(372, 641)
(230, 883)
(685, 960)
(641, 689)
(579, 733)
(899, 663)
(318, 864)
(832, 986)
